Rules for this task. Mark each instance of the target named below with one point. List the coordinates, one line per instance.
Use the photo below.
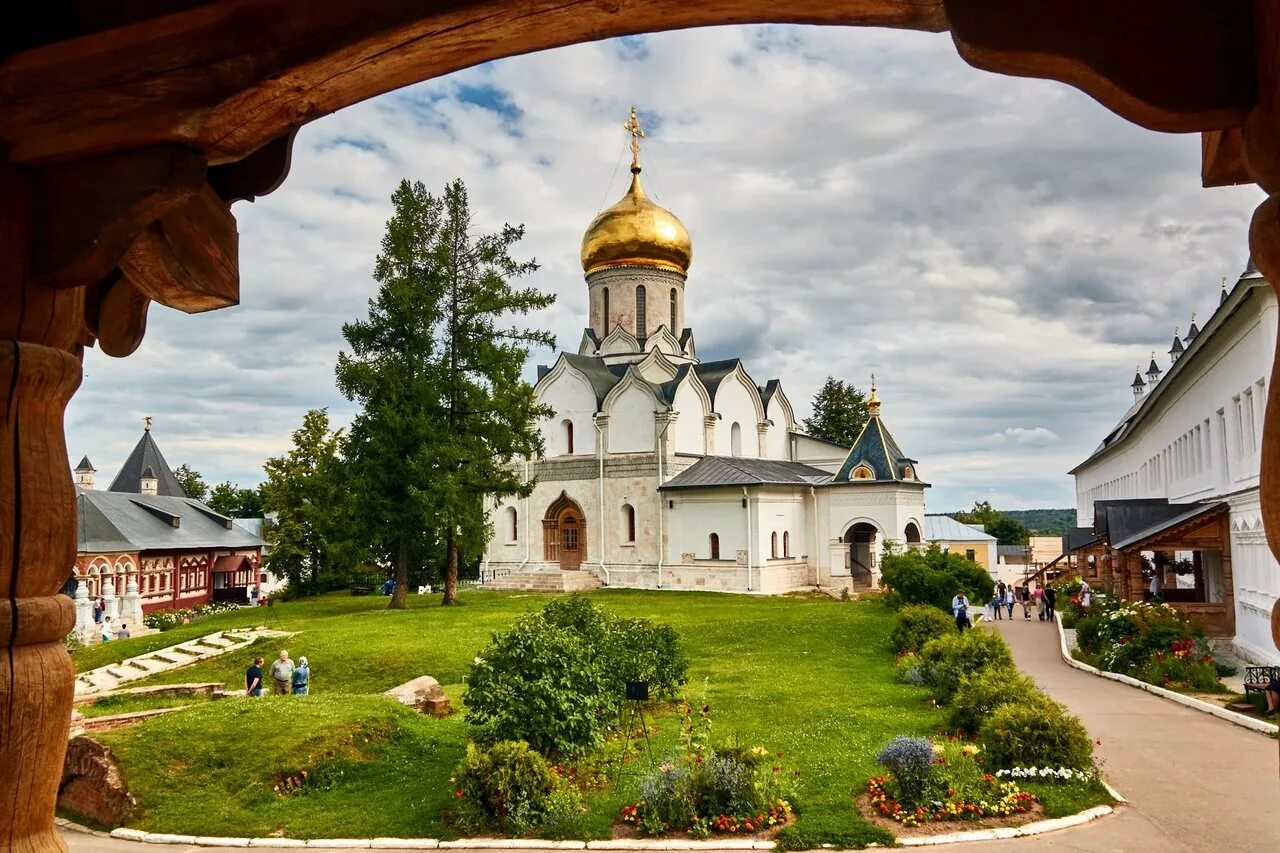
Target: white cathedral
(663, 471)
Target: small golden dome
(636, 232)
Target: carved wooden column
(39, 371)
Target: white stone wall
(622, 283)
(819, 454)
(573, 399)
(737, 402)
(778, 440)
(690, 429)
(886, 506)
(631, 427)
(1202, 441)
(1203, 436)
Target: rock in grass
(424, 694)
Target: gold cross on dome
(632, 126)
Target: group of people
(1004, 598)
(287, 678)
(1007, 595)
(107, 630)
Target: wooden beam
(1222, 158)
(227, 77)
(87, 213)
(190, 259)
(120, 317)
(1169, 65)
(260, 173)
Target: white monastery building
(1172, 491)
(664, 471)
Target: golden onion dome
(636, 232)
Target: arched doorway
(564, 534)
(860, 556)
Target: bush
(909, 761)
(918, 624)
(910, 669)
(932, 576)
(557, 677)
(163, 620)
(1151, 642)
(957, 787)
(505, 787)
(947, 659)
(981, 693)
(1040, 733)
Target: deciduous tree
(438, 369)
(193, 485)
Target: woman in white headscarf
(302, 677)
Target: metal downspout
(600, 457)
(746, 502)
(662, 550)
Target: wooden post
(39, 371)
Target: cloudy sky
(1001, 253)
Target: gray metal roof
(120, 521)
(875, 448)
(713, 372)
(946, 529)
(1129, 522)
(147, 455)
(597, 372)
(85, 465)
(1011, 550)
(715, 471)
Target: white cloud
(1021, 435)
(998, 251)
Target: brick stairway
(578, 581)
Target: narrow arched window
(640, 306)
(606, 309)
(513, 523)
(629, 522)
(675, 330)
(773, 545)
(567, 425)
(786, 543)
(735, 439)
(715, 546)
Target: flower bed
(1048, 774)
(163, 620)
(952, 786)
(1152, 642)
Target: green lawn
(123, 703)
(808, 677)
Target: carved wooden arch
(559, 505)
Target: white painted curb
(1241, 720)
(1040, 826)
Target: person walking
(1086, 594)
(282, 673)
(1038, 594)
(960, 607)
(106, 629)
(253, 678)
(997, 600)
(98, 611)
(1050, 600)
(302, 677)
(1009, 599)
(1026, 602)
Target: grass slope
(804, 676)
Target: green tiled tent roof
(876, 449)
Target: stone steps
(108, 678)
(579, 581)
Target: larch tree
(839, 412)
(437, 367)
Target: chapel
(664, 471)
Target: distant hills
(1044, 522)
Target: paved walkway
(1194, 782)
(104, 679)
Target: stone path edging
(1230, 716)
(637, 844)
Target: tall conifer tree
(438, 371)
(839, 412)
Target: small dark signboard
(637, 691)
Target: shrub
(910, 669)
(557, 677)
(947, 659)
(1151, 642)
(506, 787)
(959, 788)
(909, 761)
(163, 620)
(932, 576)
(1040, 733)
(981, 693)
(918, 624)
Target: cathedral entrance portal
(861, 540)
(564, 534)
